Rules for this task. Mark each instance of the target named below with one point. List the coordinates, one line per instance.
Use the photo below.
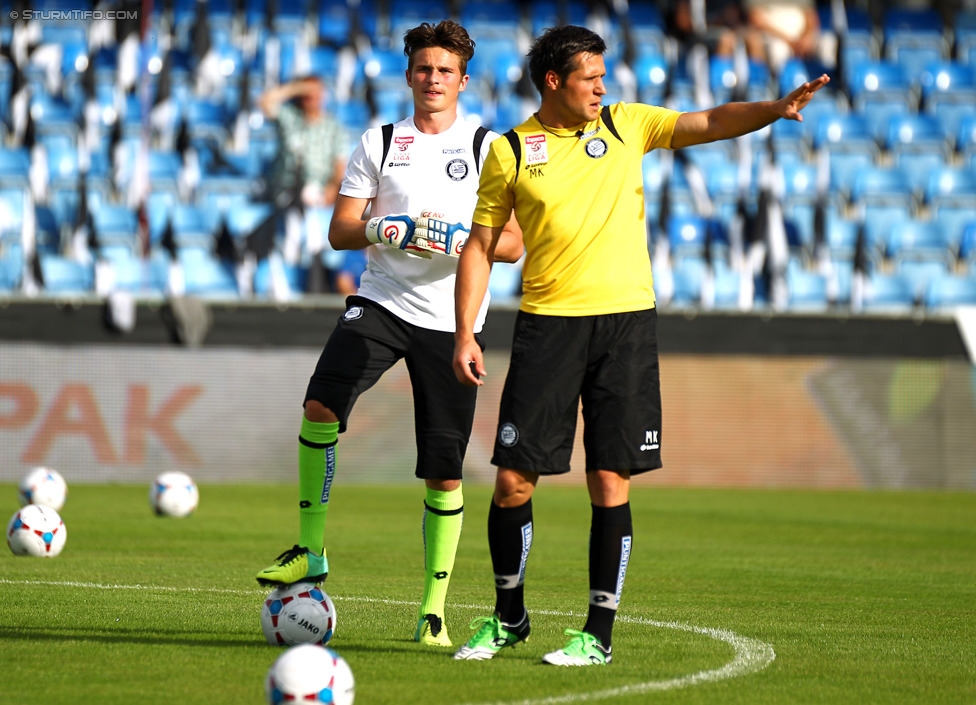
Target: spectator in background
(787, 29)
(313, 144)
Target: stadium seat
(951, 186)
(206, 276)
(142, 277)
(966, 251)
(948, 94)
(497, 63)
(879, 90)
(949, 291)
(651, 71)
(807, 291)
(888, 293)
(334, 27)
(116, 225)
(917, 240)
(964, 31)
(15, 163)
(293, 275)
(724, 82)
(921, 273)
(498, 19)
(193, 225)
(687, 274)
(913, 37)
(11, 269)
(63, 275)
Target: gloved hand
(395, 230)
(434, 234)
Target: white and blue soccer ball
(308, 673)
(174, 494)
(36, 530)
(43, 485)
(302, 613)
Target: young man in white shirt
(417, 181)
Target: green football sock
(316, 466)
(443, 516)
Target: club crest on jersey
(596, 147)
(536, 150)
(457, 169)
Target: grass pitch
(731, 597)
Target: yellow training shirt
(579, 197)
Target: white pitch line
(751, 655)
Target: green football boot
(582, 650)
(491, 637)
(296, 565)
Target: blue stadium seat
(966, 251)
(888, 292)
(143, 277)
(14, 167)
(913, 37)
(951, 185)
(244, 218)
(687, 274)
(116, 225)
(206, 276)
(497, 63)
(723, 80)
(193, 225)
(651, 71)
(918, 240)
(921, 273)
(806, 290)
(406, 14)
(880, 90)
(294, 276)
(63, 275)
(950, 291)
(11, 269)
(552, 13)
(689, 235)
(949, 95)
(334, 26)
(491, 20)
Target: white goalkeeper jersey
(421, 172)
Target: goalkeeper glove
(396, 231)
(436, 235)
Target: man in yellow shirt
(586, 328)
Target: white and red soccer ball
(43, 485)
(309, 673)
(36, 530)
(301, 613)
(173, 494)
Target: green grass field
(731, 597)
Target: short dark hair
(556, 50)
(446, 34)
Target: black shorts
(367, 341)
(609, 362)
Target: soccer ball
(43, 486)
(298, 614)
(36, 530)
(174, 494)
(309, 673)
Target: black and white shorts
(367, 341)
(610, 362)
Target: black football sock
(611, 531)
(509, 540)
